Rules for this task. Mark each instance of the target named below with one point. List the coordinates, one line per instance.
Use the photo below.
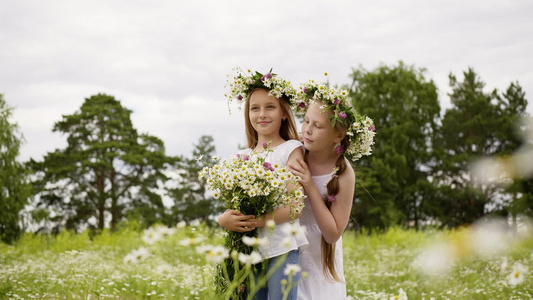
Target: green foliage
(14, 184)
(514, 106)
(478, 124)
(70, 266)
(418, 173)
(107, 167)
(391, 184)
(376, 266)
(190, 199)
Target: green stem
(288, 288)
(225, 271)
(235, 283)
(264, 279)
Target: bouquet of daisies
(254, 187)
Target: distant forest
(418, 175)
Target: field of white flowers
(178, 263)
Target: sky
(168, 61)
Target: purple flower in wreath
(342, 115)
(372, 128)
(301, 105)
(267, 75)
(265, 144)
(339, 149)
(268, 166)
(337, 102)
(239, 97)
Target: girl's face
(265, 113)
(318, 134)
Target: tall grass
(377, 265)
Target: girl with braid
(331, 130)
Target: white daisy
(250, 259)
(137, 255)
(191, 241)
(517, 275)
(151, 235)
(293, 229)
(253, 241)
(292, 269)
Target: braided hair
(328, 250)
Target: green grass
(376, 266)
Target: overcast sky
(168, 60)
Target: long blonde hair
(287, 130)
(328, 250)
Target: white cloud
(167, 61)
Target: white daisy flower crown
(243, 83)
(361, 129)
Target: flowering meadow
(178, 263)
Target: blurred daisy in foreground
(504, 266)
(293, 229)
(165, 231)
(191, 241)
(485, 239)
(489, 237)
(195, 223)
(254, 241)
(502, 170)
(292, 269)
(137, 255)
(270, 224)
(401, 295)
(214, 254)
(436, 259)
(151, 235)
(250, 259)
(517, 276)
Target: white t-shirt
(276, 247)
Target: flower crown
(243, 83)
(361, 128)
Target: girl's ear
(340, 136)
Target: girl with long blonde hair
(331, 129)
(269, 120)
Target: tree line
(418, 174)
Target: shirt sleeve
(290, 146)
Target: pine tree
(107, 169)
(479, 124)
(15, 189)
(190, 199)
